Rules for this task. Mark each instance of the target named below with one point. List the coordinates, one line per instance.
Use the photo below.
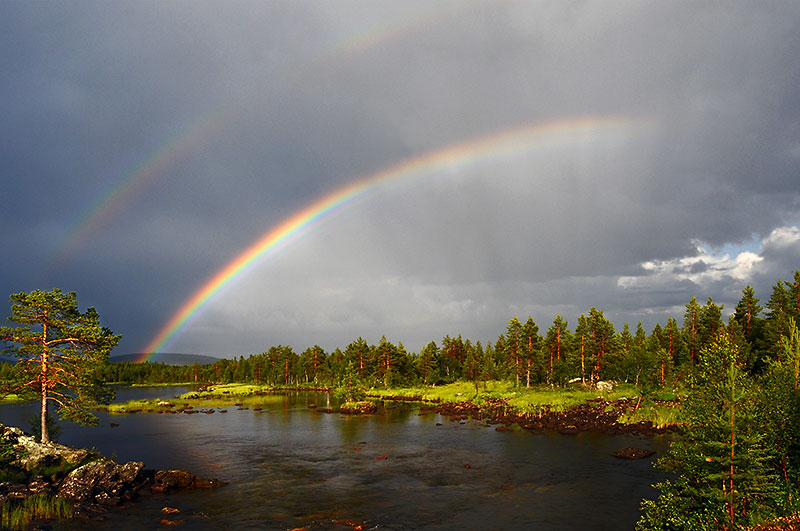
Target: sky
(499, 159)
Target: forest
(525, 352)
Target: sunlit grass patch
(164, 384)
(525, 399)
(660, 415)
(12, 398)
(231, 389)
(534, 399)
(452, 392)
(132, 406)
(224, 395)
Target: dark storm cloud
(300, 98)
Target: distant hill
(169, 358)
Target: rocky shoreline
(90, 483)
(596, 416)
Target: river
(290, 467)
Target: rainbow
(537, 135)
(179, 145)
(192, 135)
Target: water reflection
(291, 466)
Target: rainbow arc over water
(557, 132)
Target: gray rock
(31, 454)
(102, 481)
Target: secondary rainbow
(189, 138)
(574, 130)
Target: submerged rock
(164, 480)
(633, 453)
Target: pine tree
(530, 348)
(556, 344)
(581, 343)
(358, 354)
(429, 364)
(725, 479)
(783, 305)
(474, 364)
(513, 347)
(602, 342)
(691, 329)
(59, 351)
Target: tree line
(525, 353)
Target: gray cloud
(250, 111)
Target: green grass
(12, 476)
(534, 399)
(233, 389)
(525, 399)
(521, 399)
(225, 395)
(12, 398)
(18, 516)
(659, 414)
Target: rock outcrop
(31, 454)
(90, 482)
(597, 415)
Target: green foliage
(722, 457)
(19, 515)
(7, 452)
(59, 351)
(678, 509)
(351, 389)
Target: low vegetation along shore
(610, 409)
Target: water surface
(290, 466)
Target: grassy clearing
(18, 516)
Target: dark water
(291, 467)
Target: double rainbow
(194, 134)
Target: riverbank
(616, 409)
(52, 481)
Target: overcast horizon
(516, 158)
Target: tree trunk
(528, 375)
(45, 435)
(583, 364)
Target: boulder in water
(633, 453)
